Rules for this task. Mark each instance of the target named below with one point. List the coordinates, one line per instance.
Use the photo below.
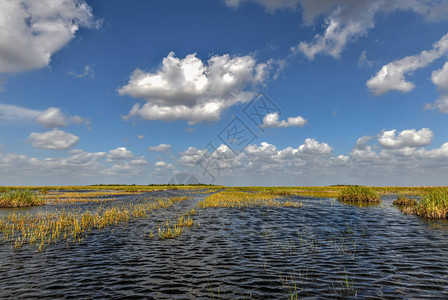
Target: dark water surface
(324, 249)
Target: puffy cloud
(88, 71)
(32, 31)
(406, 138)
(193, 90)
(440, 104)
(50, 118)
(440, 79)
(55, 140)
(271, 121)
(139, 161)
(160, 164)
(160, 148)
(392, 76)
(141, 137)
(120, 153)
(346, 20)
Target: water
(324, 249)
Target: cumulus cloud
(32, 31)
(190, 89)
(54, 140)
(391, 157)
(271, 121)
(346, 21)
(88, 71)
(160, 164)
(120, 153)
(440, 79)
(160, 148)
(406, 138)
(139, 161)
(391, 77)
(52, 117)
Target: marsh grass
(359, 194)
(244, 199)
(404, 201)
(46, 228)
(433, 205)
(20, 198)
(344, 286)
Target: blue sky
(136, 91)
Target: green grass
(20, 198)
(434, 204)
(358, 194)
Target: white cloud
(271, 121)
(50, 118)
(88, 71)
(440, 79)
(193, 90)
(440, 104)
(348, 20)
(160, 148)
(406, 138)
(32, 31)
(55, 140)
(16, 113)
(120, 153)
(139, 161)
(141, 137)
(392, 76)
(363, 61)
(271, 5)
(160, 164)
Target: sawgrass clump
(244, 199)
(358, 194)
(20, 198)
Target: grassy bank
(433, 205)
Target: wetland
(202, 242)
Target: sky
(235, 92)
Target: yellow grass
(244, 199)
(46, 228)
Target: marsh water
(324, 249)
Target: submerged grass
(47, 228)
(358, 194)
(245, 199)
(20, 198)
